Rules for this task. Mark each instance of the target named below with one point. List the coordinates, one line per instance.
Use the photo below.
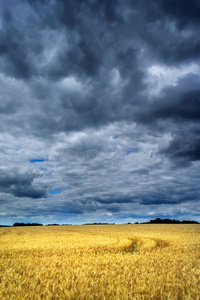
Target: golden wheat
(100, 262)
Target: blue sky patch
(132, 151)
(37, 160)
(56, 191)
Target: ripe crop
(100, 262)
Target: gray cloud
(20, 185)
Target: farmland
(100, 262)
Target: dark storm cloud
(185, 12)
(169, 28)
(175, 47)
(185, 107)
(14, 44)
(79, 55)
(184, 148)
(65, 208)
(179, 107)
(179, 103)
(20, 185)
(22, 42)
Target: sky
(99, 111)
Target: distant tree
(26, 224)
(168, 221)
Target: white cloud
(160, 76)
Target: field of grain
(100, 262)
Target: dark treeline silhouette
(57, 224)
(26, 224)
(99, 224)
(155, 221)
(168, 221)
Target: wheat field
(100, 262)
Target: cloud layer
(99, 106)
